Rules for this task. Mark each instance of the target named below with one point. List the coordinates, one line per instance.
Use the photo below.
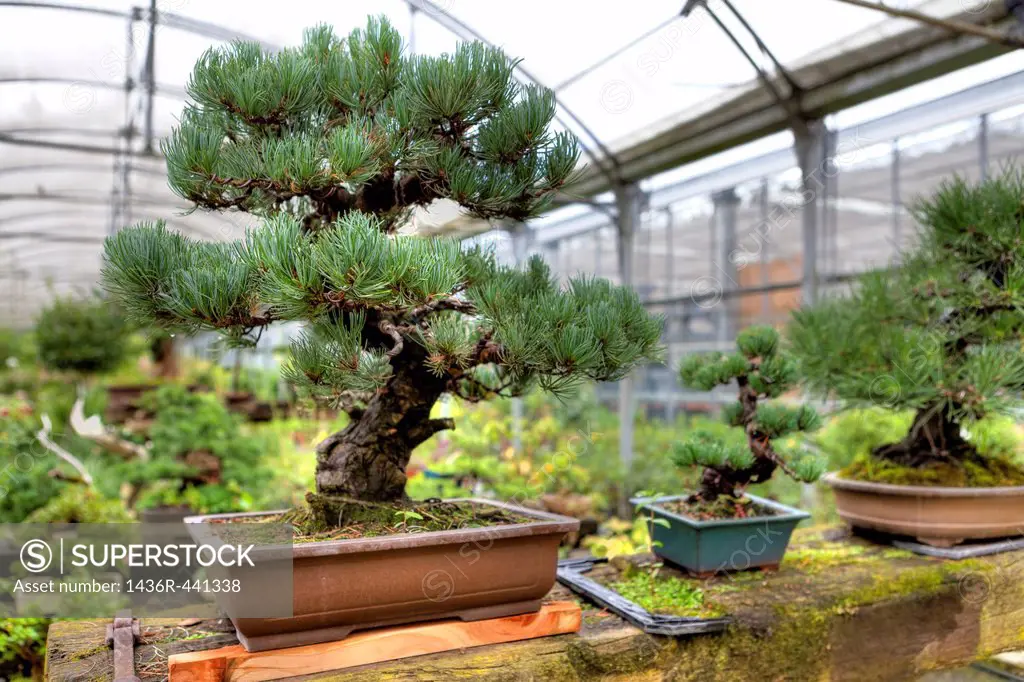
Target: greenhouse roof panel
(628, 76)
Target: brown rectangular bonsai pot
(939, 516)
(343, 585)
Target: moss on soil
(371, 521)
(990, 472)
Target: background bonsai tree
(198, 456)
(760, 370)
(86, 336)
(333, 144)
(940, 334)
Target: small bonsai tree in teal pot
(720, 527)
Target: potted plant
(333, 145)
(720, 527)
(940, 336)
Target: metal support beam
(829, 209)
(412, 28)
(628, 199)
(983, 146)
(955, 27)
(150, 75)
(897, 198)
(811, 143)
(120, 192)
(810, 146)
(884, 64)
(521, 237)
(670, 255)
(724, 225)
(764, 241)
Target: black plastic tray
(974, 549)
(571, 574)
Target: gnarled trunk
(933, 437)
(729, 482)
(367, 459)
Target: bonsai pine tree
(331, 146)
(85, 336)
(940, 334)
(761, 371)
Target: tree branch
(485, 352)
(424, 430)
(442, 304)
(392, 331)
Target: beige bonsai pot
(345, 585)
(938, 516)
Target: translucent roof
(78, 146)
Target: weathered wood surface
(865, 616)
(235, 664)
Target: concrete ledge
(836, 611)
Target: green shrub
(856, 432)
(79, 504)
(16, 348)
(25, 484)
(28, 491)
(22, 648)
(81, 335)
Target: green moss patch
(988, 472)
(826, 555)
(669, 595)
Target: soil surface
(722, 508)
(378, 520)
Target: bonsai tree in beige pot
(720, 527)
(332, 146)
(939, 335)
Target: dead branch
(44, 437)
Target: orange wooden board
(235, 664)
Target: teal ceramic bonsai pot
(709, 547)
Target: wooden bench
(831, 613)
